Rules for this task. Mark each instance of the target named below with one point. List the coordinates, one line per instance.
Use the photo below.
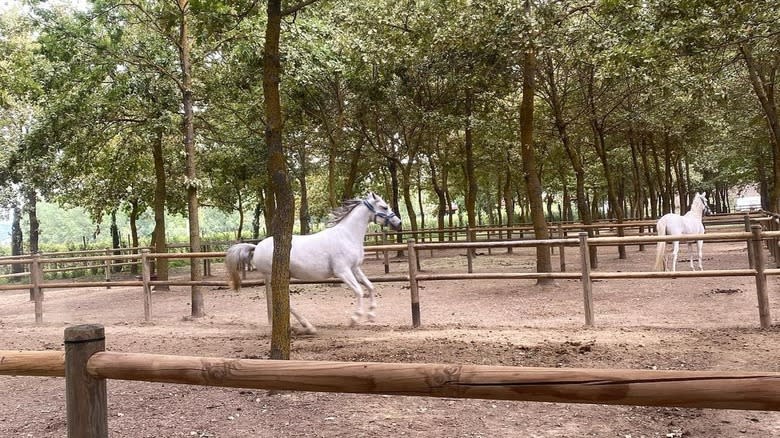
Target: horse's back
(673, 223)
(312, 256)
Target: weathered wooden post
(469, 252)
(85, 396)
(562, 235)
(107, 267)
(36, 292)
(413, 287)
(587, 284)
(759, 260)
(146, 275)
(206, 261)
(751, 256)
(386, 254)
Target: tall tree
(533, 183)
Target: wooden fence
(86, 365)
(753, 240)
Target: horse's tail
(235, 257)
(661, 246)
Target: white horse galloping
(673, 224)
(336, 251)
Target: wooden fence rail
(753, 239)
(86, 365)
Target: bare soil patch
(692, 324)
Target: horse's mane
(339, 213)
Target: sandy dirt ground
(668, 324)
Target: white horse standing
(336, 251)
(673, 224)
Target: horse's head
(383, 215)
(702, 199)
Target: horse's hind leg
(361, 277)
(308, 329)
(675, 251)
(691, 256)
(268, 297)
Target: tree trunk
(159, 236)
(256, 216)
(32, 216)
(509, 202)
(392, 168)
(420, 198)
(191, 179)
(682, 191)
(352, 174)
(471, 179)
(17, 240)
(443, 208)
(573, 153)
(668, 186)
(303, 212)
(406, 188)
(134, 213)
(639, 200)
(116, 240)
(763, 82)
(651, 186)
(283, 217)
(532, 181)
(241, 218)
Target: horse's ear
(373, 195)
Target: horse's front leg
(361, 276)
(349, 279)
(699, 245)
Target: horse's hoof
(371, 316)
(304, 330)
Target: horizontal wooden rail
(32, 363)
(689, 389)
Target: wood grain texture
(702, 389)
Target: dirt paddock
(691, 324)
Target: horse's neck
(696, 212)
(354, 225)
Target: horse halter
(385, 216)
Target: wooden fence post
(469, 252)
(587, 284)
(751, 256)
(85, 396)
(386, 254)
(107, 267)
(146, 275)
(36, 292)
(413, 287)
(562, 235)
(206, 261)
(759, 261)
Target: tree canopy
(636, 105)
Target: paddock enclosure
(681, 323)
